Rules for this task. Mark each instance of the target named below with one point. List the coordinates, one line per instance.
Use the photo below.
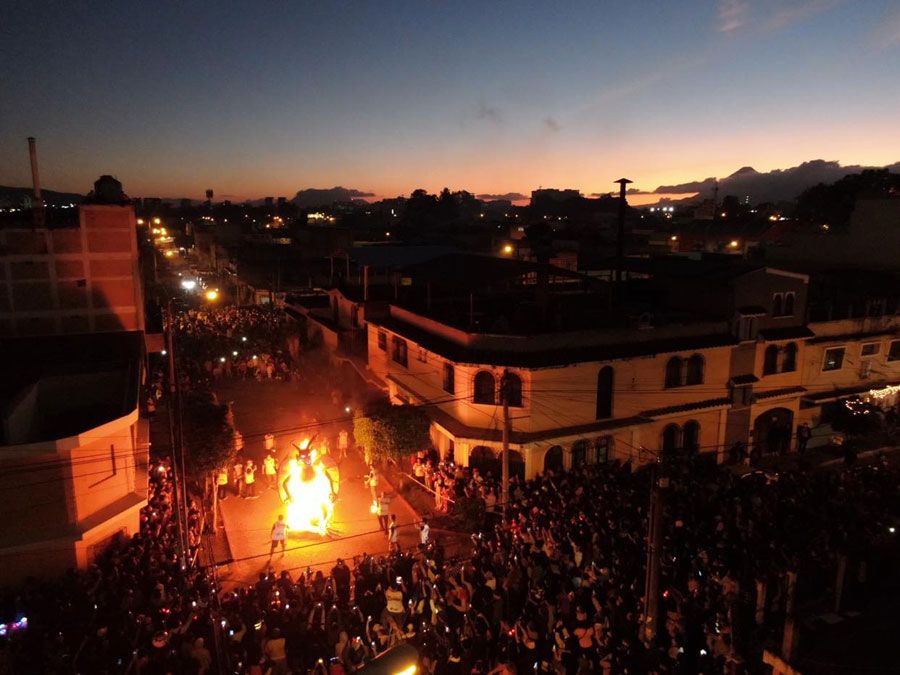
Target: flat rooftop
(58, 386)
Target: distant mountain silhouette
(314, 197)
(16, 196)
(772, 186)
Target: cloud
(487, 112)
(509, 196)
(887, 35)
(732, 15)
(788, 13)
(551, 124)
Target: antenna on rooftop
(38, 206)
(620, 238)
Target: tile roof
(687, 407)
(776, 393)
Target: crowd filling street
(553, 581)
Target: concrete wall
(65, 499)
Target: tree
(856, 418)
(209, 434)
(392, 432)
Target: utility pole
(789, 638)
(660, 481)
(504, 455)
(177, 451)
(620, 239)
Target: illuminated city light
(140, 221)
(734, 243)
(212, 294)
(188, 284)
(507, 249)
(156, 221)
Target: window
(690, 437)
(789, 360)
(770, 360)
(870, 349)
(449, 378)
(602, 447)
(788, 304)
(694, 370)
(673, 372)
(382, 340)
(513, 390)
(834, 358)
(484, 388)
(777, 304)
(670, 438)
(398, 353)
(580, 453)
(605, 393)
(894, 351)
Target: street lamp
(212, 294)
(508, 249)
(156, 221)
(188, 284)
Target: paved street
(284, 409)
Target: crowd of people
(555, 587)
(450, 483)
(218, 343)
(138, 608)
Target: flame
(306, 490)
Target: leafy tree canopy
(209, 434)
(392, 432)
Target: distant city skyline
(269, 99)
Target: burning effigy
(308, 488)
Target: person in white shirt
(424, 533)
(279, 535)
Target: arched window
(673, 372)
(513, 390)
(789, 360)
(695, 370)
(484, 388)
(789, 304)
(553, 459)
(777, 304)
(670, 438)
(690, 436)
(770, 360)
(605, 393)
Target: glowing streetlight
(234, 353)
(164, 352)
(188, 284)
(212, 294)
(156, 221)
(674, 237)
(170, 253)
(348, 409)
(734, 243)
(140, 221)
(508, 249)
(244, 338)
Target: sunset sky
(491, 97)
